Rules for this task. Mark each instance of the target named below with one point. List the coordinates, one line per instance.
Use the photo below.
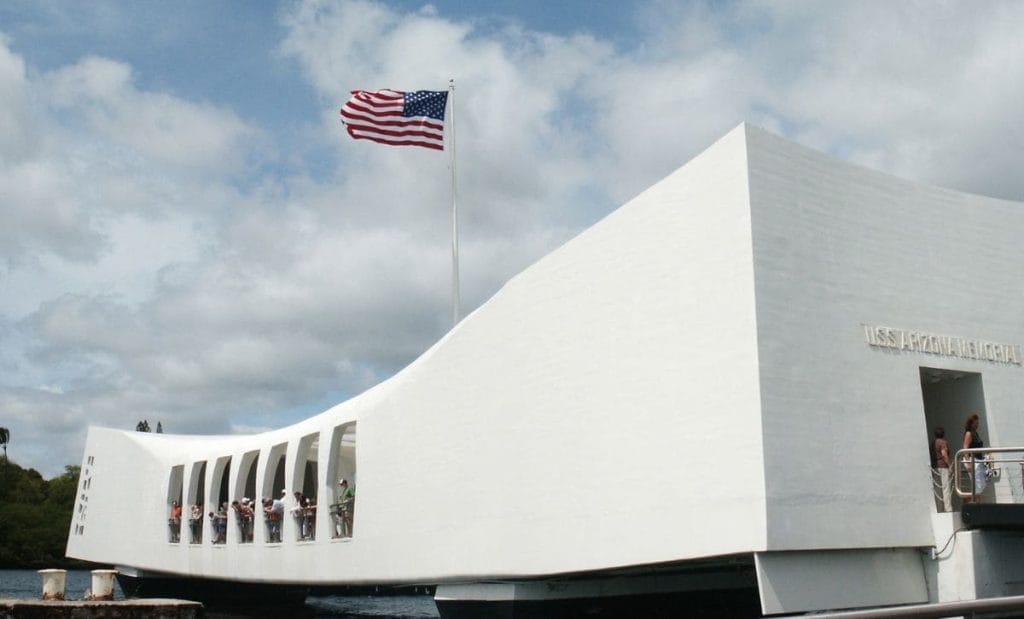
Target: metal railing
(996, 464)
(342, 515)
(966, 608)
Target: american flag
(397, 118)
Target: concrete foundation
(165, 609)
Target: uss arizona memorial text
(945, 345)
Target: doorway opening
(949, 397)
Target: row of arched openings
(256, 499)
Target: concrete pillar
(103, 584)
(53, 584)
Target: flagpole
(456, 301)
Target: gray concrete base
(168, 609)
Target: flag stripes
(397, 118)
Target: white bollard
(53, 584)
(103, 584)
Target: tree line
(35, 517)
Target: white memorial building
(730, 383)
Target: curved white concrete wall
(601, 410)
(688, 378)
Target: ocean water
(28, 584)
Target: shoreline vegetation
(35, 517)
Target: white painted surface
(950, 565)
(53, 584)
(642, 584)
(972, 565)
(835, 247)
(792, 582)
(103, 584)
(601, 410)
(689, 378)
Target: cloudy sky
(187, 234)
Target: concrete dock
(88, 609)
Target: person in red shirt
(175, 521)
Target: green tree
(5, 437)
(36, 517)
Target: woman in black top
(975, 466)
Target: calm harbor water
(27, 584)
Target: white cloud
(923, 94)
(41, 213)
(155, 272)
(158, 127)
(17, 125)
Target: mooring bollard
(53, 584)
(103, 584)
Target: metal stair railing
(995, 461)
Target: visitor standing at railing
(310, 521)
(347, 500)
(273, 511)
(940, 471)
(175, 521)
(976, 466)
(299, 514)
(195, 523)
(220, 524)
(244, 516)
